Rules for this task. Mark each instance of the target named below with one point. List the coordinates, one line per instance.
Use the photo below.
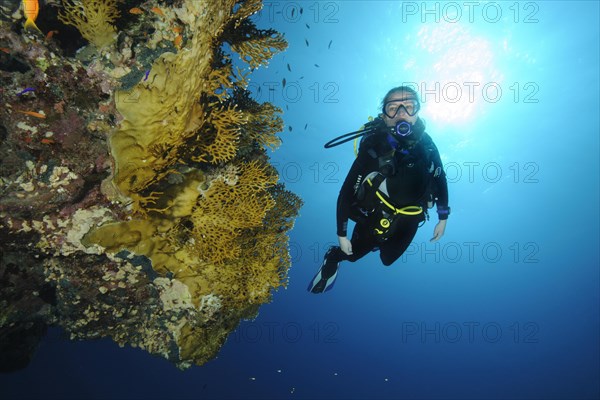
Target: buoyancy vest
(401, 184)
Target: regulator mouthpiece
(403, 128)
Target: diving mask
(391, 108)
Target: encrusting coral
(171, 224)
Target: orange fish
(47, 141)
(5, 49)
(136, 10)
(157, 11)
(177, 41)
(177, 29)
(31, 8)
(32, 113)
(50, 34)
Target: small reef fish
(157, 11)
(50, 34)
(290, 128)
(136, 11)
(307, 26)
(5, 50)
(306, 41)
(289, 68)
(293, 12)
(301, 10)
(329, 45)
(33, 114)
(25, 91)
(305, 126)
(317, 65)
(31, 8)
(46, 141)
(146, 77)
(283, 82)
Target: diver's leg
(397, 244)
(363, 242)
(325, 277)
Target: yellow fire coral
(247, 8)
(257, 51)
(227, 209)
(263, 125)
(93, 18)
(222, 148)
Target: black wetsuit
(404, 188)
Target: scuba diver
(396, 176)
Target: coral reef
(256, 46)
(136, 196)
(93, 18)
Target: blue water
(506, 305)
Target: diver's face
(398, 107)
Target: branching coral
(219, 80)
(226, 122)
(264, 124)
(246, 9)
(287, 206)
(227, 209)
(93, 18)
(258, 51)
(255, 46)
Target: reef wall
(136, 196)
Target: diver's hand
(345, 245)
(438, 231)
